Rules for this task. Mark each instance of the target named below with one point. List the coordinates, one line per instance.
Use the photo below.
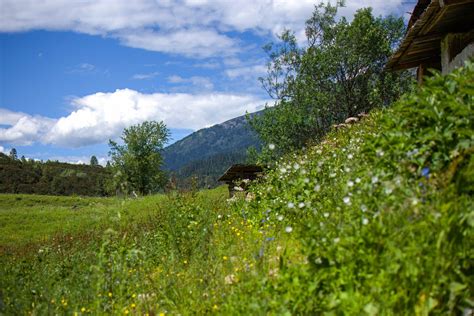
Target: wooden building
(440, 35)
(238, 176)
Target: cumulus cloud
(194, 28)
(100, 116)
(23, 129)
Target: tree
(94, 161)
(137, 163)
(340, 73)
(13, 154)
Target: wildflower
(332, 175)
(350, 156)
(296, 166)
(291, 205)
(317, 188)
(414, 202)
(347, 170)
(337, 240)
(280, 217)
(375, 179)
(425, 172)
(347, 200)
(230, 279)
(133, 305)
(301, 205)
(306, 180)
(379, 153)
(365, 221)
(282, 170)
(83, 309)
(213, 307)
(110, 294)
(357, 180)
(237, 188)
(363, 208)
(350, 183)
(319, 151)
(225, 258)
(271, 146)
(288, 229)
(326, 215)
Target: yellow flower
(215, 307)
(126, 312)
(224, 258)
(133, 305)
(162, 314)
(83, 309)
(185, 261)
(134, 295)
(110, 294)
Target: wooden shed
(440, 35)
(238, 176)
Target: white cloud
(194, 28)
(146, 76)
(101, 116)
(199, 82)
(246, 72)
(23, 129)
(3, 150)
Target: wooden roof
(430, 21)
(240, 171)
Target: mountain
(208, 152)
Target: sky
(75, 73)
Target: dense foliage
(338, 74)
(377, 219)
(51, 178)
(137, 162)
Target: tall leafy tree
(13, 154)
(94, 161)
(338, 74)
(137, 162)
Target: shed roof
(240, 171)
(430, 21)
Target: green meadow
(377, 219)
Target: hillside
(208, 152)
(377, 219)
(51, 177)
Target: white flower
(350, 156)
(388, 190)
(379, 153)
(271, 146)
(288, 229)
(347, 170)
(282, 170)
(317, 188)
(350, 183)
(326, 215)
(337, 240)
(357, 180)
(365, 221)
(280, 217)
(347, 200)
(333, 175)
(319, 151)
(414, 202)
(375, 179)
(291, 205)
(238, 189)
(296, 166)
(363, 208)
(219, 216)
(306, 180)
(301, 205)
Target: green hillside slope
(377, 219)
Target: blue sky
(73, 74)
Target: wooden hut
(238, 176)
(440, 36)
